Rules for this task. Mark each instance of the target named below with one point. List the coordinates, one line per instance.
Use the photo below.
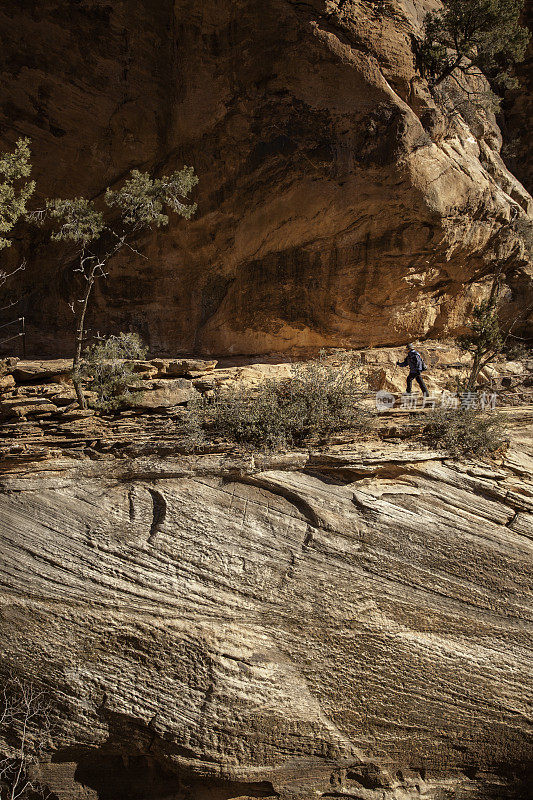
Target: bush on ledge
(317, 400)
(108, 372)
(465, 432)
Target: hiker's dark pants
(416, 376)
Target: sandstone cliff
(346, 623)
(352, 620)
(338, 204)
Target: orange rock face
(337, 204)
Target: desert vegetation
(487, 337)
(108, 370)
(25, 723)
(99, 234)
(474, 39)
(16, 191)
(317, 400)
(465, 432)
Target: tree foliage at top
(474, 38)
(140, 202)
(80, 221)
(142, 198)
(485, 335)
(14, 190)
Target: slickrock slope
(337, 204)
(353, 622)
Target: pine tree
(474, 38)
(15, 191)
(98, 236)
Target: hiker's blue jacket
(414, 362)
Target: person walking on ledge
(414, 361)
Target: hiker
(414, 361)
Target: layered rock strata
(351, 622)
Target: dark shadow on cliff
(506, 783)
(115, 776)
(132, 765)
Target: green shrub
(106, 366)
(317, 400)
(190, 425)
(465, 432)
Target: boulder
(160, 364)
(207, 384)
(7, 364)
(145, 369)
(381, 356)
(190, 367)
(243, 377)
(164, 394)
(513, 368)
(7, 382)
(391, 380)
(42, 371)
(65, 397)
(77, 413)
(26, 407)
(182, 367)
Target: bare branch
(4, 276)
(24, 716)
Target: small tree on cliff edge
(486, 337)
(141, 204)
(474, 38)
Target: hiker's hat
(410, 347)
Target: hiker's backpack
(416, 361)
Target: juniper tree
(488, 336)
(15, 192)
(485, 339)
(478, 38)
(98, 234)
